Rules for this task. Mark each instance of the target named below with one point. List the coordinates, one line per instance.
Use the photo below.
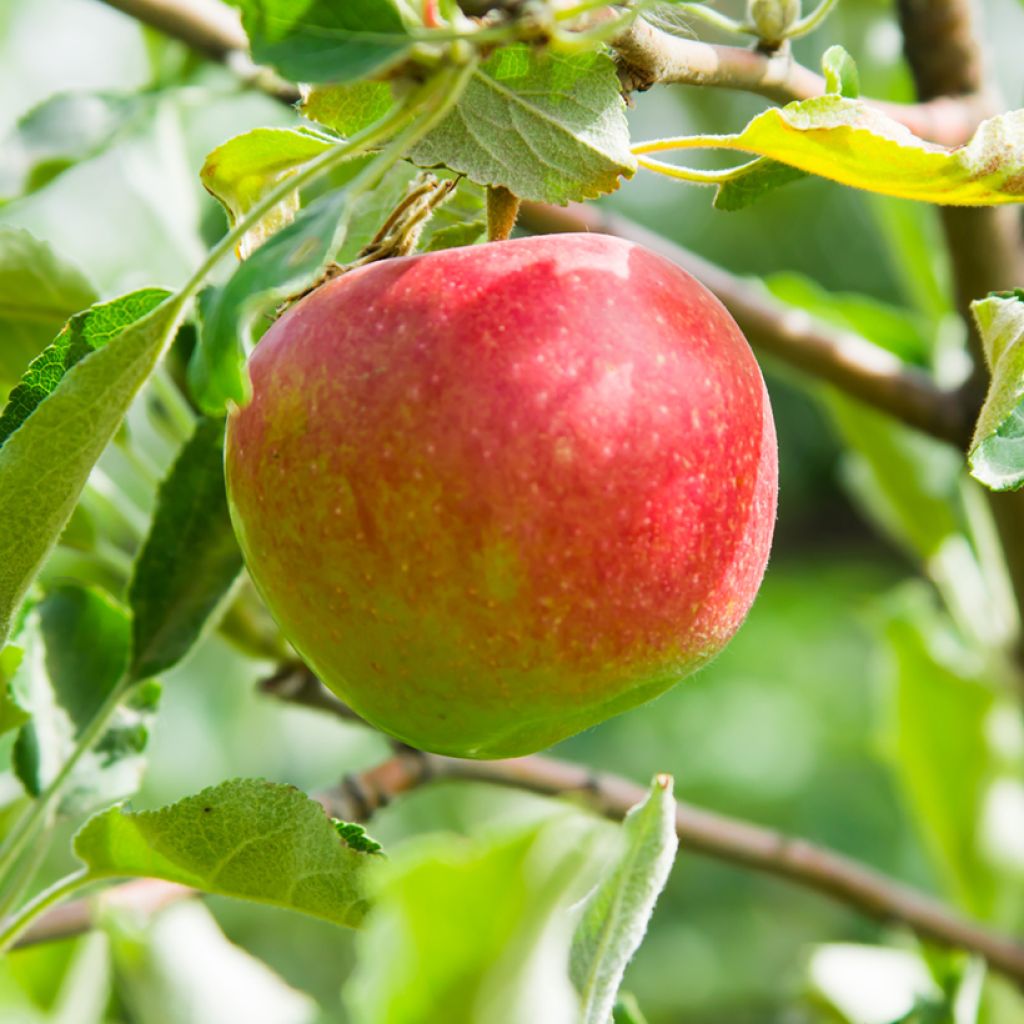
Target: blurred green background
(846, 711)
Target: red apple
(495, 495)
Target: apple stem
(502, 211)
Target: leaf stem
(811, 21)
(57, 892)
(37, 812)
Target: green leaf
(76, 651)
(941, 703)
(285, 265)
(324, 40)
(242, 170)
(62, 131)
(764, 174)
(760, 177)
(190, 558)
(996, 454)
(627, 1010)
(12, 714)
(180, 968)
(616, 914)
(841, 75)
(81, 335)
(549, 127)
(45, 463)
(855, 144)
(38, 292)
(494, 917)
(347, 109)
(245, 838)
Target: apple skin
(498, 494)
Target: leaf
(62, 131)
(285, 265)
(493, 916)
(996, 454)
(760, 176)
(941, 704)
(38, 292)
(81, 335)
(190, 558)
(549, 127)
(841, 75)
(324, 40)
(347, 109)
(76, 651)
(12, 714)
(245, 838)
(627, 1010)
(616, 914)
(765, 175)
(242, 170)
(180, 968)
(45, 463)
(848, 141)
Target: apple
(495, 495)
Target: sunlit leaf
(546, 126)
(997, 449)
(494, 915)
(245, 838)
(244, 169)
(180, 968)
(190, 558)
(617, 912)
(349, 108)
(45, 463)
(38, 292)
(851, 142)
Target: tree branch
(649, 56)
(699, 831)
(842, 358)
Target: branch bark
(842, 358)
(648, 56)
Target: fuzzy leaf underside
(616, 914)
(548, 127)
(246, 838)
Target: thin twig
(699, 831)
(842, 358)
